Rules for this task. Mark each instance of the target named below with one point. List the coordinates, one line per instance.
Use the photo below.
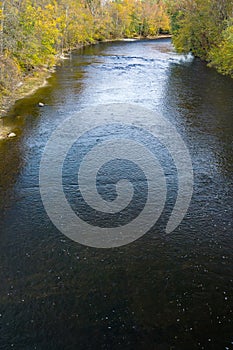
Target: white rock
(41, 104)
(11, 134)
(64, 57)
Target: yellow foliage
(42, 29)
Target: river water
(160, 292)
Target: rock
(64, 57)
(11, 134)
(41, 104)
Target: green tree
(204, 27)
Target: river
(162, 291)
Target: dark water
(160, 292)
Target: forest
(34, 33)
(205, 27)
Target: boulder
(11, 134)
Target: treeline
(34, 32)
(205, 27)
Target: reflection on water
(160, 292)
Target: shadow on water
(26, 117)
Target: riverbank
(27, 87)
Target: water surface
(160, 292)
